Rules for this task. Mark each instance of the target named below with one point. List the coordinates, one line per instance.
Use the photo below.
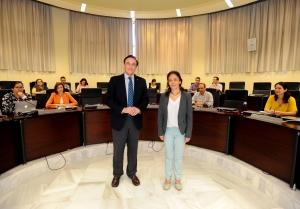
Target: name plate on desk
(204, 109)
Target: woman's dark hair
(286, 95)
(168, 91)
(13, 84)
(153, 80)
(83, 79)
(55, 87)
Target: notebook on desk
(22, 107)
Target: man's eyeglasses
(19, 87)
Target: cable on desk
(56, 168)
(153, 143)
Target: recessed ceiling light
(83, 6)
(178, 12)
(229, 3)
(132, 13)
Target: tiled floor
(86, 184)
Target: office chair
(293, 85)
(223, 86)
(76, 84)
(261, 88)
(235, 98)
(103, 86)
(6, 84)
(214, 94)
(2, 93)
(237, 85)
(48, 93)
(152, 95)
(158, 84)
(91, 96)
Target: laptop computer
(22, 107)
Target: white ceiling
(146, 8)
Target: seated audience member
(203, 97)
(281, 103)
(153, 85)
(60, 98)
(39, 87)
(83, 84)
(63, 82)
(194, 87)
(215, 84)
(17, 94)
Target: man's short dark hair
(63, 77)
(197, 78)
(131, 56)
(216, 77)
(202, 84)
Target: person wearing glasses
(281, 103)
(17, 94)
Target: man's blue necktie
(130, 92)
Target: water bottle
(244, 106)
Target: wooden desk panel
(9, 146)
(48, 134)
(97, 125)
(149, 131)
(267, 146)
(209, 130)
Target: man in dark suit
(127, 97)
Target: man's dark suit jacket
(116, 99)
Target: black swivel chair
(262, 88)
(103, 86)
(296, 95)
(48, 93)
(91, 96)
(214, 94)
(6, 84)
(223, 86)
(158, 84)
(237, 85)
(235, 98)
(293, 85)
(152, 95)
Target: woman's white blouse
(173, 108)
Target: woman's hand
(162, 138)
(187, 140)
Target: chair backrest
(266, 92)
(69, 83)
(237, 85)
(158, 84)
(152, 95)
(262, 86)
(233, 104)
(48, 93)
(293, 85)
(5, 84)
(103, 86)
(296, 95)
(236, 94)
(76, 84)
(91, 96)
(223, 86)
(2, 93)
(214, 94)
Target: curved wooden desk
(270, 147)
